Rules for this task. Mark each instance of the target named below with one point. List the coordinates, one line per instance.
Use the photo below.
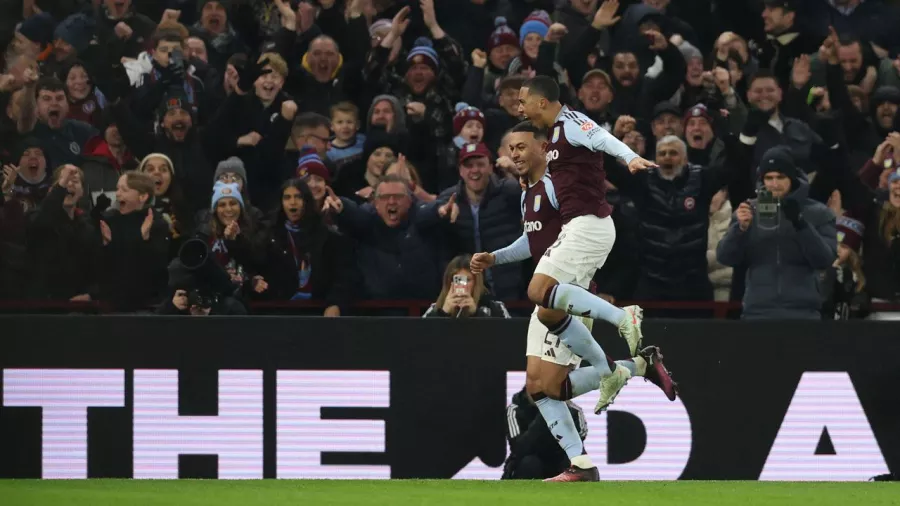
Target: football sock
(576, 336)
(580, 302)
(586, 379)
(559, 421)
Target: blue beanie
(222, 190)
(77, 30)
(537, 22)
(895, 176)
(38, 28)
(423, 52)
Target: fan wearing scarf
(233, 237)
(305, 260)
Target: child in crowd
(347, 145)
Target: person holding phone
(463, 294)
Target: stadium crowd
(345, 150)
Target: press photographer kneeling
(201, 287)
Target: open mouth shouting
(293, 214)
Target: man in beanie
(428, 81)
(502, 47)
(784, 245)
(468, 128)
(28, 180)
(703, 148)
(884, 104)
(490, 217)
(72, 36)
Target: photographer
(533, 451)
(194, 303)
(463, 294)
(785, 239)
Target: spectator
(501, 49)
(719, 219)
(118, 24)
(28, 182)
(232, 171)
(845, 283)
(784, 252)
(533, 451)
(310, 129)
(62, 243)
(397, 243)
(306, 260)
(86, 102)
(105, 158)
(357, 180)
(168, 199)
(468, 128)
(311, 169)
(787, 40)
(214, 24)
(387, 114)
(463, 294)
(348, 143)
(596, 95)
(490, 217)
(135, 247)
(72, 37)
(63, 139)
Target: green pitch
(437, 493)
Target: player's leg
(581, 249)
(533, 351)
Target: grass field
(437, 492)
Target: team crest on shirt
(537, 203)
(88, 107)
(587, 126)
(689, 203)
(555, 135)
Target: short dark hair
(168, 35)
(848, 39)
(511, 83)
(49, 83)
(543, 86)
(311, 120)
(763, 74)
(528, 127)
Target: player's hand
(744, 215)
(640, 164)
(180, 300)
(449, 210)
(481, 261)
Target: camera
(766, 208)
(460, 284)
(202, 300)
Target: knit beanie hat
(231, 164)
(174, 99)
(464, 113)
(77, 30)
(223, 190)
(202, 3)
(502, 35)
(698, 111)
(537, 22)
(423, 52)
(377, 26)
(309, 164)
(884, 94)
(850, 232)
(156, 155)
(399, 112)
(895, 176)
(378, 138)
(689, 52)
(38, 28)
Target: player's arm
(592, 136)
(516, 252)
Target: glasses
(306, 138)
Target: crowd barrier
(291, 397)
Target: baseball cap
(473, 151)
(665, 108)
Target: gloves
(791, 209)
(250, 73)
(103, 203)
(755, 120)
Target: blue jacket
(783, 263)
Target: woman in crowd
(846, 282)
(62, 242)
(463, 294)
(86, 102)
(305, 260)
(234, 237)
(232, 170)
(168, 199)
(135, 246)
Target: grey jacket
(783, 263)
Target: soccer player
(548, 364)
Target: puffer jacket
(719, 275)
(783, 263)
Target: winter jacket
(778, 53)
(395, 262)
(719, 275)
(65, 144)
(332, 268)
(783, 263)
(62, 252)
(133, 270)
(496, 223)
(101, 171)
(487, 308)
